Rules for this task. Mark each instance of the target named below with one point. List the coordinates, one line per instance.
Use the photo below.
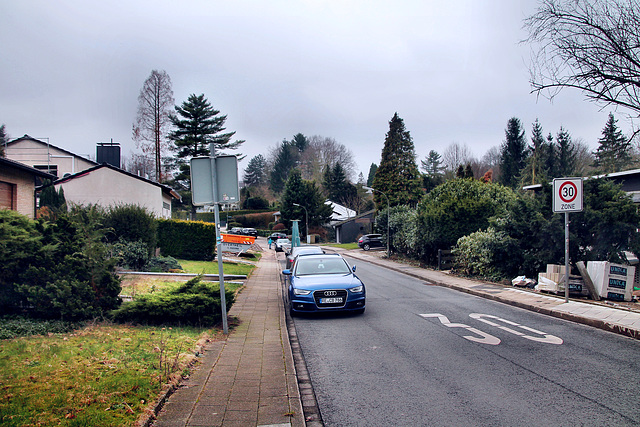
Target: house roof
(340, 213)
(12, 163)
(30, 138)
(165, 188)
(353, 218)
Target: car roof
(314, 249)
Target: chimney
(108, 152)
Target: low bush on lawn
(192, 303)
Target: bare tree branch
(593, 46)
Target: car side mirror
(353, 268)
(286, 272)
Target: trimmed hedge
(193, 240)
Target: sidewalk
(598, 315)
(249, 379)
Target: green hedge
(193, 240)
(192, 303)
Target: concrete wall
(24, 183)
(107, 187)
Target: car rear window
(308, 266)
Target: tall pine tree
(196, 125)
(513, 153)
(398, 176)
(255, 174)
(614, 152)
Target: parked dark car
(250, 232)
(301, 250)
(276, 236)
(235, 230)
(369, 241)
(324, 282)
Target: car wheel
(366, 247)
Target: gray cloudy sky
(453, 70)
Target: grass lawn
(103, 374)
(343, 245)
(211, 267)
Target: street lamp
(370, 189)
(306, 220)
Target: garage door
(7, 196)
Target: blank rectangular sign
(227, 179)
(204, 170)
(201, 181)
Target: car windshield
(308, 266)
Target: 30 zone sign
(567, 195)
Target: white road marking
(545, 338)
(486, 338)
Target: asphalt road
(427, 355)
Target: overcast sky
(453, 70)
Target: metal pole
(388, 227)
(566, 257)
(216, 213)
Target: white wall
(107, 187)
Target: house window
(52, 169)
(7, 196)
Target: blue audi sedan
(322, 283)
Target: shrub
(256, 202)
(162, 264)
(193, 240)
(192, 303)
(132, 223)
(279, 227)
(486, 254)
(454, 209)
(131, 255)
(12, 327)
(20, 241)
(402, 227)
(71, 276)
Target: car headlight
(297, 291)
(357, 289)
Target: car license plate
(331, 300)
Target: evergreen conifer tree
(512, 153)
(614, 152)
(566, 154)
(286, 159)
(372, 174)
(198, 124)
(255, 174)
(398, 176)
(304, 193)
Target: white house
(107, 185)
(46, 157)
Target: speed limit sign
(567, 195)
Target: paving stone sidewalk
(249, 379)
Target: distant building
(17, 186)
(348, 230)
(107, 185)
(46, 157)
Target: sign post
(567, 197)
(214, 180)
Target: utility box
(612, 281)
